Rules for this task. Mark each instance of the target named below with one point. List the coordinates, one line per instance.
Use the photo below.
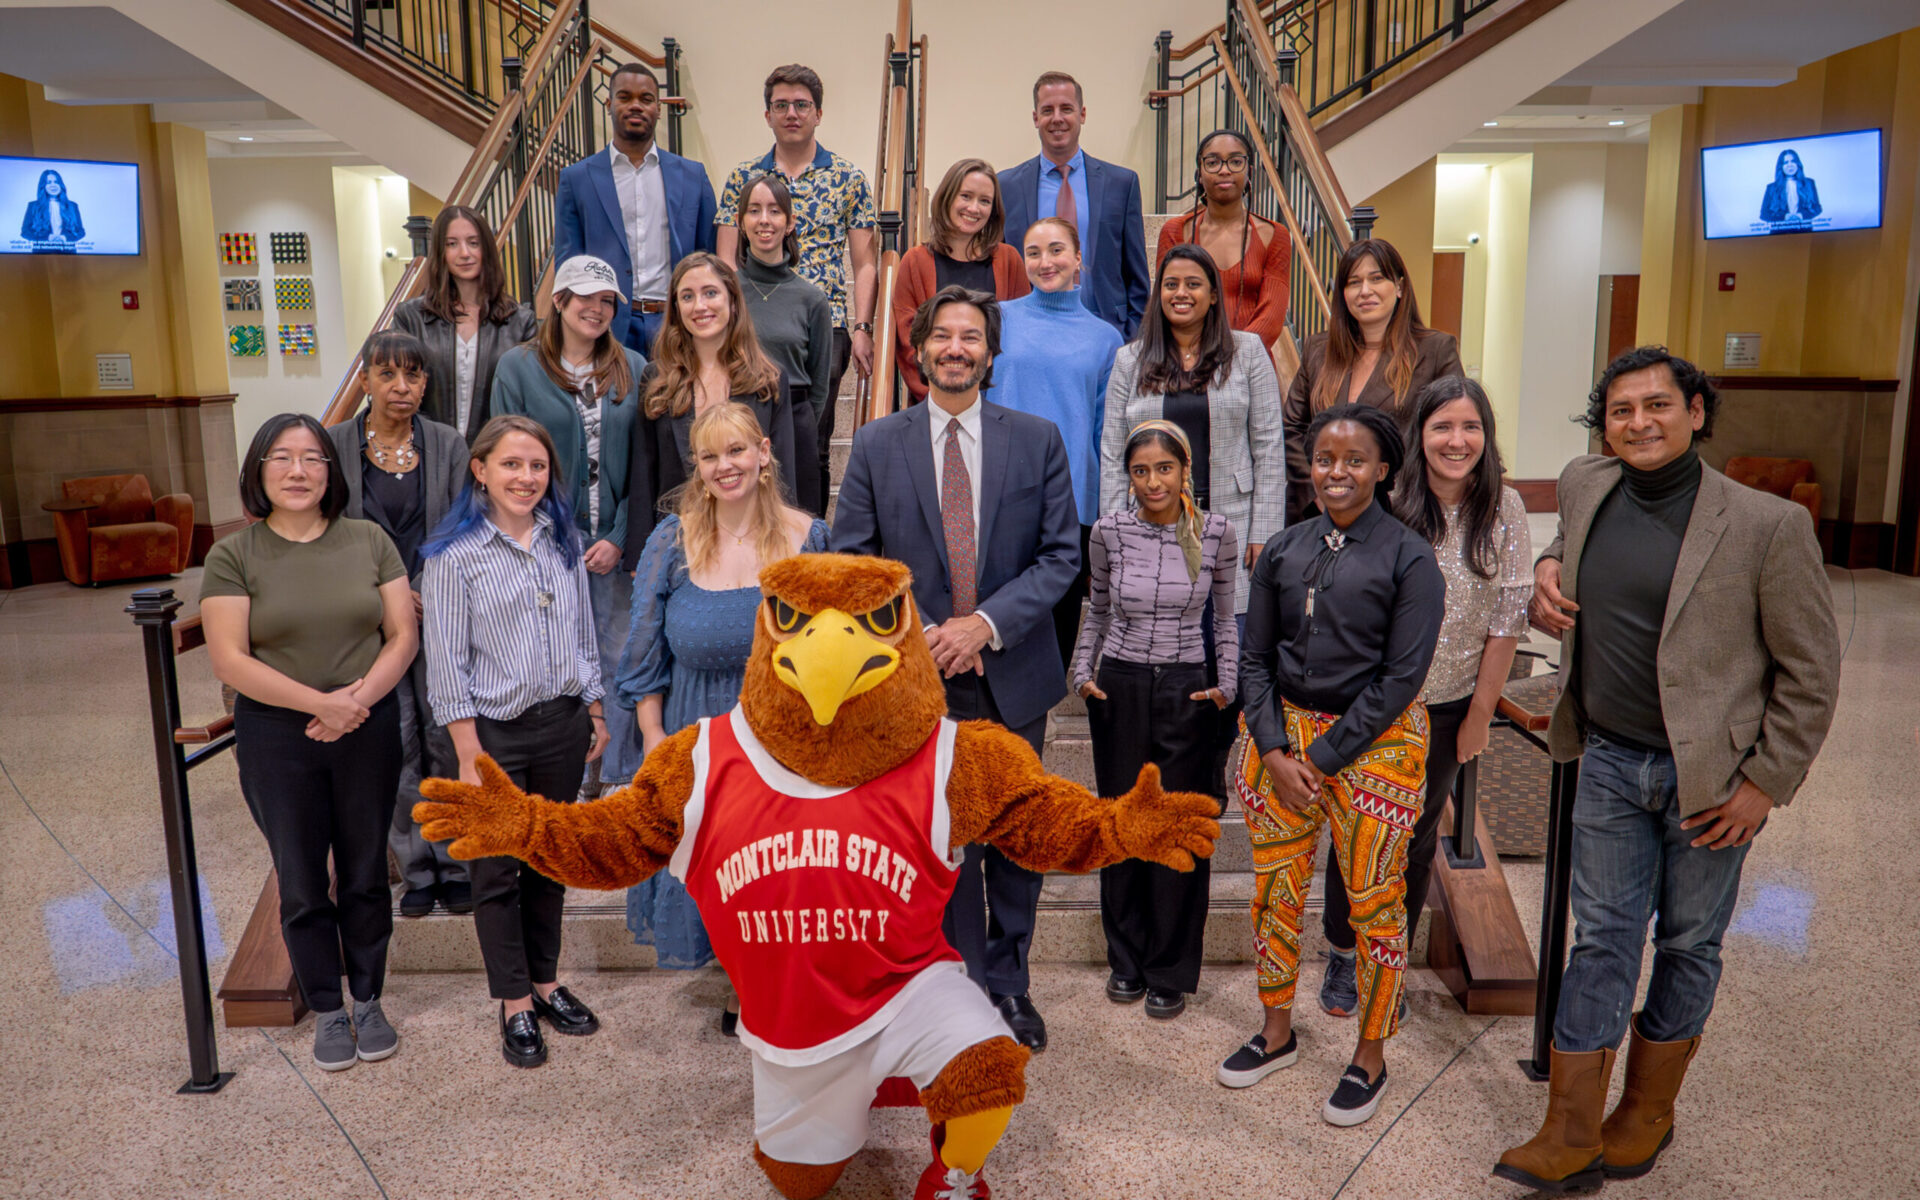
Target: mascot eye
(885, 620)
(786, 618)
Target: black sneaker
(417, 903)
(1252, 1062)
(1355, 1100)
(1125, 991)
(458, 897)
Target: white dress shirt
(969, 423)
(466, 364)
(643, 212)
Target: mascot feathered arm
(1000, 795)
(610, 843)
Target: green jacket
(521, 386)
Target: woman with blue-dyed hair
(52, 216)
(505, 581)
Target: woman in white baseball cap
(579, 382)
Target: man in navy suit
(1102, 199)
(638, 207)
(976, 499)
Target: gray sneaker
(1340, 989)
(333, 1040)
(377, 1040)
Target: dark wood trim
(369, 66)
(1858, 545)
(204, 536)
(259, 988)
(1802, 383)
(1539, 495)
(101, 403)
(13, 566)
(1906, 547)
(1431, 70)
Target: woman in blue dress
(696, 602)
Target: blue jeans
(1632, 863)
(612, 598)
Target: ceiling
(1742, 42)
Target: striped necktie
(956, 521)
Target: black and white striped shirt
(506, 627)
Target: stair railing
(901, 189)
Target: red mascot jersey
(822, 903)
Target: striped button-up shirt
(506, 626)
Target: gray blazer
(443, 456)
(1247, 459)
(442, 402)
(1749, 659)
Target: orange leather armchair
(110, 527)
(1788, 478)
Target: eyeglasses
(284, 462)
(798, 108)
(1213, 164)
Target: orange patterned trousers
(1372, 805)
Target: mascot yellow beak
(831, 661)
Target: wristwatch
(863, 327)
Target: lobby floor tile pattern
(1800, 1090)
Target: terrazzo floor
(1801, 1089)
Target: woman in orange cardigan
(965, 248)
(1253, 254)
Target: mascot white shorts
(818, 1113)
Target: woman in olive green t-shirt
(309, 616)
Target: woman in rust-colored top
(1254, 255)
(963, 246)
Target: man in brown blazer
(1699, 668)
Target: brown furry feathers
(852, 583)
(989, 1075)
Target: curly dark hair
(1381, 424)
(1691, 380)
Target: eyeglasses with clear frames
(1213, 164)
(283, 461)
(799, 108)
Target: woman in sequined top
(1450, 494)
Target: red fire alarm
(1726, 281)
(129, 300)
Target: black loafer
(417, 903)
(458, 897)
(1124, 991)
(566, 1014)
(729, 1023)
(520, 1040)
(1163, 1005)
(1024, 1020)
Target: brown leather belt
(652, 306)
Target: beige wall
(1405, 211)
(982, 58)
(1509, 201)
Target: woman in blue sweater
(1054, 360)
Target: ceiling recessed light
(1616, 122)
(1488, 124)
(243, 138)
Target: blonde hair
(697, 506)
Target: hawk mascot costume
(819, 827)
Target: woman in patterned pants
(1342, 616)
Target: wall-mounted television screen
(1796, 185)
(67, 206)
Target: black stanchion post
(1554, 906)
(1462, 846)
(153, 610)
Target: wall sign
(1743, 351)
(113, 372)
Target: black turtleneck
(1626, 571)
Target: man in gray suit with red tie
(976, 499)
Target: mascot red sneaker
(819, 826)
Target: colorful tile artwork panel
(242, 295)
(297, 341)
(288, 247)
(236, 249)
(293, 291)
(246, 341)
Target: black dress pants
(516, 909)
(320, 800)
(1155, 917)
(823, 431)
(991, 914)
(1443, 767)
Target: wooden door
(1449, 290)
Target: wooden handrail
(1299, 131)
(540, 58)
(1196, 81)
(1200, 43)
(879, 398)
(1302, 250)
(539, 160)
(608, 35)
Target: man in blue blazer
(1101, 198)
(977, 500)
(639, 207)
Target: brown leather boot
(1642, 1123)
(1564, 1158)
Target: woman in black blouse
(1342, 618)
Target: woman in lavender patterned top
(1450, 493)
(1141, 664)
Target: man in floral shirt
(833, 219)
